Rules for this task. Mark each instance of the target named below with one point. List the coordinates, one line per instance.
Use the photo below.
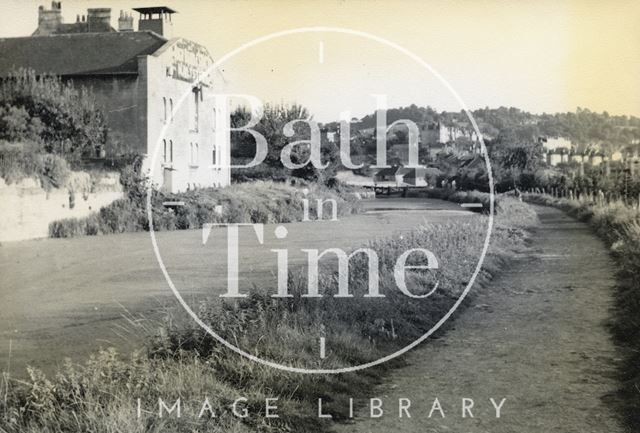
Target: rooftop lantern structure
(156, 19)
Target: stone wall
(27, 209)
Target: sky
(540, 56)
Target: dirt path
(536, 336)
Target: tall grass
(184, 361)
(618, 224)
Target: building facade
(155, 93)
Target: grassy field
(185, 362)
(618, 224)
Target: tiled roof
(78, 54)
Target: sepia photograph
(338, 216)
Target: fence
(596, 196)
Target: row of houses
(560, 150)
(566, 156)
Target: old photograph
(339, 216)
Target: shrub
(22, 160)
(67, 228)
(45, 109)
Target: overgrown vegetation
(45, 110)
(186, 362)
(23, 160)
(46, 125)
(618, 224)
(250, 202)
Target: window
(193, 153)
(196, 114)
(164, 150)
(171, 109)
(214, 160)
(164, 108)
(170, 150)
(195, 108)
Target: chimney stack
(125, 22)
(49, 20)
(99, 20)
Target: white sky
(541, 56)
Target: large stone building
(137, 78)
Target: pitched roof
(78, 54)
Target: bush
(67, 228)
(23, 160)
(46, 110)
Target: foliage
(22, 160)
(272, 126)
(583, 126)
(46, 110)
(511, 136)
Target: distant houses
(554, 143)
(565, 156)
(562, 151)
